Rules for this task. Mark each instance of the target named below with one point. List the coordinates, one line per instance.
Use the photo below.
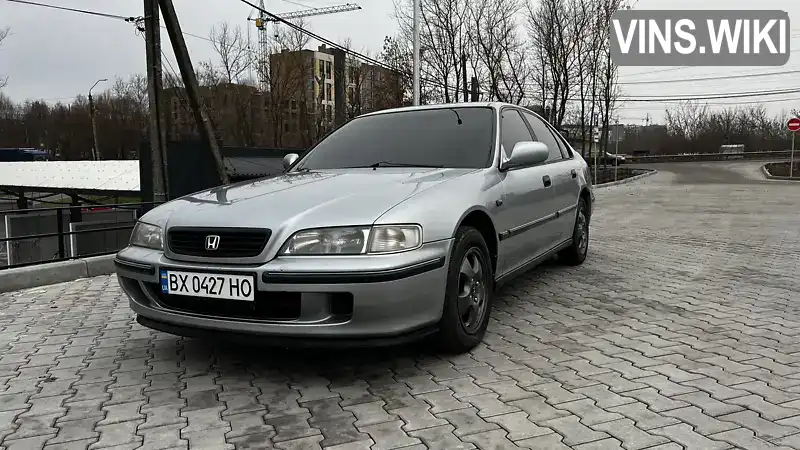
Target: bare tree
(494, 40)
(232, 49)
(609, 72)
(555, 28)
(4, 33)
(397, 55)
(288, 96)
(443, 38)
(353, 81)
(686, 120)
(587, 53)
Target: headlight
(325, 241)
(354, 240)
(146, 235)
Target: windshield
(446, 137)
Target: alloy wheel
(472, 290)
(583, 233)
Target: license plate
(210, 285)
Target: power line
(675, 69)
(737, 103)
(352, 53)
(129, 19)
(297, 3)
(324, 40)
(710, 96)
(81, 11)
(725, 77)
(438, 84)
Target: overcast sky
(56, 55)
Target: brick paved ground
(681, 331)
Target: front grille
(233, 242)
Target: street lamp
(95, 151)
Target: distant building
(304, 84)
(380, 88)
(302, 87)
(239, 113)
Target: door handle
(574, 173)
(546, 180)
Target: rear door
(525, 218)
(563, 170)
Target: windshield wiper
(396, 164)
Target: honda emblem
(212, 242)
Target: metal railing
(711, 156)
(63, 232)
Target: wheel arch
(587, 197)
(479, 219)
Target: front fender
(441, 209)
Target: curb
(627, 180)
(776, 177)
(58, 272)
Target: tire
(575, 254)
(460, 333)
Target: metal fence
(67, 236)
(716, 156)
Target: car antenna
(459, 117)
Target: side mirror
(290, 159)
(525, 154)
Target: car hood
(302, 200)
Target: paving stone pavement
(680, 331)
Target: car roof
(494, 105)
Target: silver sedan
(398, 226)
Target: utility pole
(616, 147)
(416, 52)
(474, 89)
(464, 74)
(154, 80)
(791, 156)
(192, 88)
(92, 111)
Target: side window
(566, 152)
(512, 130)
(545, 136)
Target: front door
(563, 170)
(528, 205)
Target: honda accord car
(399, 225)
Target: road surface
(680, 331)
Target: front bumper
(376, 298)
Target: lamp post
(416, 87)
(95, 150)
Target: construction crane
(262, 19)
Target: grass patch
(781, 169)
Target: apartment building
(239, 113)
(304, 83)
(302, 87)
